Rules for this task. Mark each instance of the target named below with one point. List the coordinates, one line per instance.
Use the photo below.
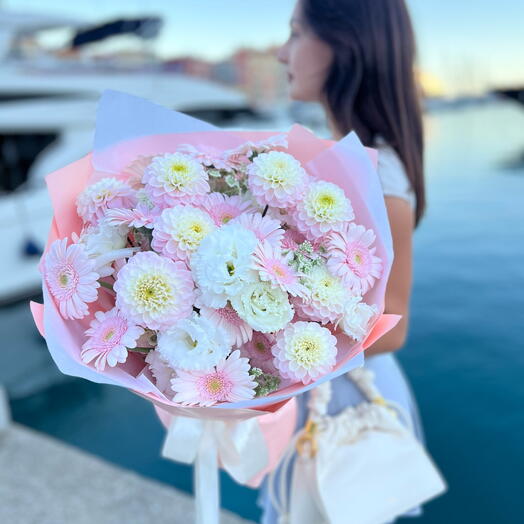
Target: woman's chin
(301, 95)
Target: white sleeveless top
(392, 174)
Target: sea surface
(464, 357)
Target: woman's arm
(398, 291)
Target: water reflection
(464, 355)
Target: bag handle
(364, 379)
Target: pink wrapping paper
(328, 160)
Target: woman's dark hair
(371, 87)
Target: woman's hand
(398, 291)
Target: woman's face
(307, 59)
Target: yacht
(47, 114)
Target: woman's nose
(282, 54)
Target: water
(465, 354)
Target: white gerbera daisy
(195, 343)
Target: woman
(356, 58)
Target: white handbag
(362, 466)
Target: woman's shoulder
(392, 173)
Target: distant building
(256, 72)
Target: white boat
(47, 116)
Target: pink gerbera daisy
(265, 228)
(71, 278)
(352, 258)
(230, 381)
(273, 267)
(258, 350)
(292, 240)
(135, 171)
(108, 193)
(223, 208)
(110, 334)
(227, 318)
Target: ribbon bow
(239, 447)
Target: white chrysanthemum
(222, 263)
(327, 297)
(357, 317)
(154, 291)
(179, 230)
(195, 343)
(276, 179)
(264, 307)
(173, 176)
(304, 350)
(324, 208)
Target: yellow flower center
(230, 268)
(326, 200)
(177, 169)
(63, 279)
(109, 335)
(278, 270)
(260, 346)
(358, 258)
(307, 351)
(152, 292)
(214, 385)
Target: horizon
(454, 55)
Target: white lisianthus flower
(357, 317)
(221, 266)
(264, 307)
(105, 244)
(195, 343)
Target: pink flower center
(110, 333)
(358, 259)
(229, 315)
(215, 386)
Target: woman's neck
(363, 133)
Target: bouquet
(218, 274)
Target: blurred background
(216, 60)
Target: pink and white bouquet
(213, 272)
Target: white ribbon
(240, 448)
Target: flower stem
(107, 285)
(140, 350)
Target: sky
(466, 45)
